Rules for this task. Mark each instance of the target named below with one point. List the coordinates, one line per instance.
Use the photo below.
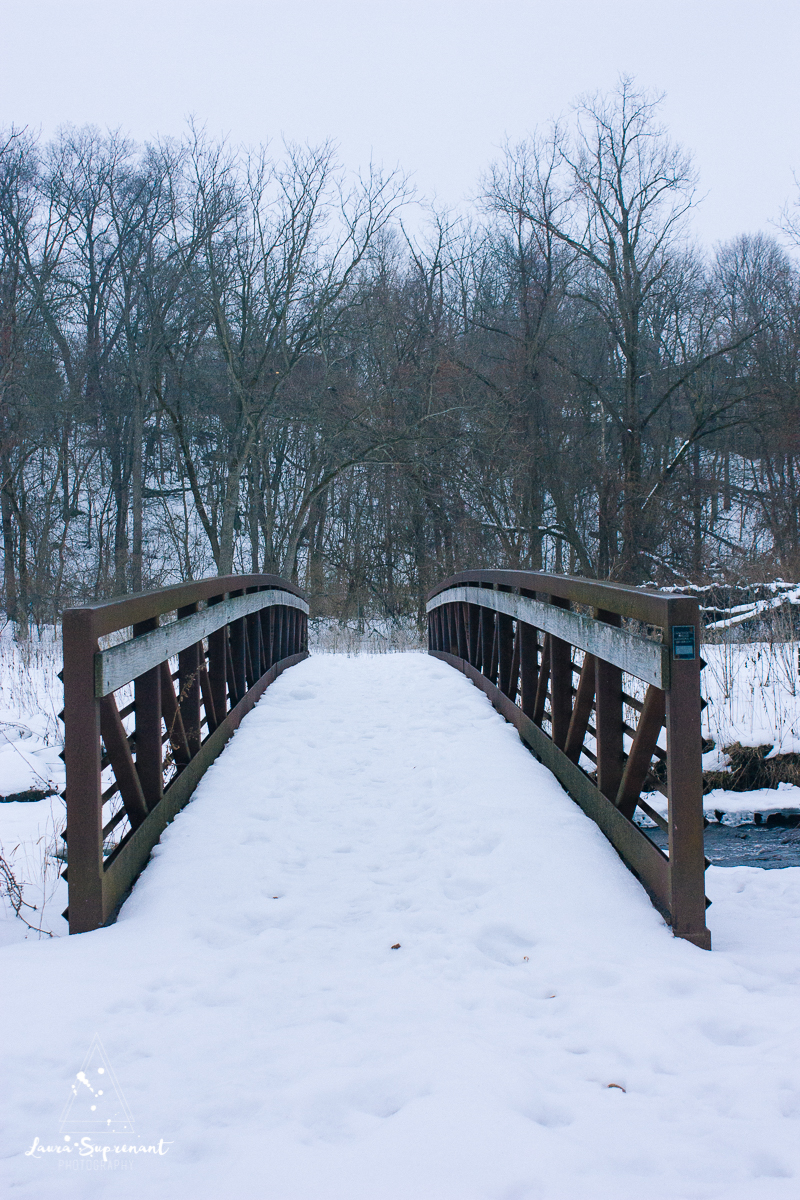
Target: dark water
(746, 845)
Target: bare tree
(279, 245)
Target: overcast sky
(435, 86)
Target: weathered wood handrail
(251, 628)
(641, 657)
(513, 633)
(121, 664)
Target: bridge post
(147, 699)
(189, 688)
(487, 637)
(505, 648)
(529, 666)
(685, 775)
(218, 667)
(461, 631)
(560, 682)
(82, 760)
(608, 713)
(473, 632)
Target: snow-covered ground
(536, 1031)
(735, 808)
(753, 694)
(31, 737)
(31, 844)
(31, 696)
(370, 635)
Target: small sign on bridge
(683, 641)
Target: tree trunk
(137, 484)
(230, 510)
(9, 547)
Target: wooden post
(608, 718)
(528, 661)
(560, 682)
(238, 681)
(284, 631)
(581, 709)
(461, 632)
(264, 639)
(542, 682)
(254, 643)
(529, 666)
(147, 700)
(189, 688)
(271, 651)
(82, 761)
(119, 755)
(451, 641)
(178, 741)
(218, 666)
(474, 630)
(250, 662)
(505, 652)
(487, 638)
(513, 685)
(209, 708)
(685, 775)
(280, 631)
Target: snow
(368, 635)
(737, 808)
(27, 763)
(29, 842)
(753, 694)
(757, 608)
(30, 697)
(537, 1034)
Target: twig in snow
(12, 888)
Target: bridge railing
(135, 748)
(590, 697)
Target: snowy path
(259, 1022)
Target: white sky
(435, 86)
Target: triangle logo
(96, 1103)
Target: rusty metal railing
(134, 750)
(551, 653)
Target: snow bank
(30, 698)
(30, 843)
(734, 808)
(537, 1032)
(369, 635)
(753, 694)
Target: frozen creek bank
(260, 1024)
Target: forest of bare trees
(213, 360)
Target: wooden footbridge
(594, 677)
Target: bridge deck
(258, 1019)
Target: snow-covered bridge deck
(538, 1032)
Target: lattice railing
(591, 699)
(144, 717)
